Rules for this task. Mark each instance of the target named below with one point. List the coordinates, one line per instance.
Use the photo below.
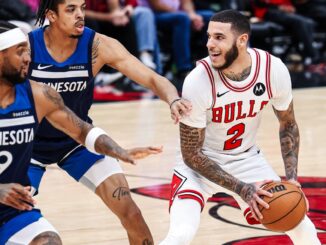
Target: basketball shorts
(23, 228)
(249, 167)
(84, 166)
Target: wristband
(174, 102)
(91, 138)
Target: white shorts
(100, 171)
(23, 228)
(248, 167)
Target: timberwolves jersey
(73, 79)
(18, 124)
(231, 110)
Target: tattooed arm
(289, 139)
(108, 51)
(192, 140)
(49, 104)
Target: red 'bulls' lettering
(235, 111)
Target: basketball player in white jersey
(218, 139)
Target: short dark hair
(239, 23)
(44, 7)
(6, 26)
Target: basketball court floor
(82, 219)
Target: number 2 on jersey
(234, 141)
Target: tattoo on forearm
(192, 140)
(96, 43)
(121, 192)
(290, 141)
(247, 192)
(107, 146)
(147, 242)
(239, 76)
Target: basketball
(287, 207)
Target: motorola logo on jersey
(259, 89)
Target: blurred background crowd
(169, 36)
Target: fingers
(255, 211)
(179, 109)
(155, 149)
(255, 208)
(18, 204)
(17, 196)
(24, 194)
(307, 202)
(294, 182)
(142, 152)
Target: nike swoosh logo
(219, 95)
(40, 67)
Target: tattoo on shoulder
(52, 95)
(96, 43)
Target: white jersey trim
(16, 121)
(66, 74)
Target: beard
(11, 74)
(230, 57)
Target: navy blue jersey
(73, 79)
(18, 124)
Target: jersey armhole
(268, 75)
(211, 79)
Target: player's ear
(51, 15)
(243, 40)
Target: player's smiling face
(70, 17)
(221, 44)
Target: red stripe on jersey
(268, 75)
(253, 81)
(211, 78)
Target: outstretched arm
(50, 105)
(290, 140)
(109, 51)
(192, 140)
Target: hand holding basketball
(287, 207)
(252, 194)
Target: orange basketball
(287, 207)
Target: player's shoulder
(201, 71)
(198, 79)
(274, 59)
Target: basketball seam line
(287, 212)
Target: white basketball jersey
(231, 110)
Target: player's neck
(7, 94)
(59, 45)
(240, 68)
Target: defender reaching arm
(65, 120)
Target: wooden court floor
(81, 218)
